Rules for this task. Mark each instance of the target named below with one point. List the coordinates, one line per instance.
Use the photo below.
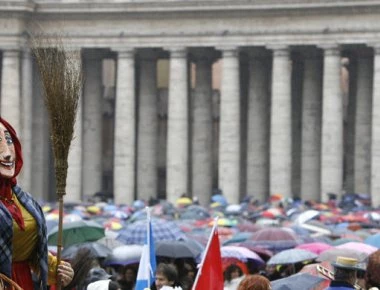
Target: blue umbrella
(220, 199)
(373, 240)
(135, 233)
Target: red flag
(210, 273)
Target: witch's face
(7, 153)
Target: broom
(61, 76)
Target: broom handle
(59, 238)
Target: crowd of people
(26, 261)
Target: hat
(99, 285)
(347, 263)
(96, 274)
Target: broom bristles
(61, 77)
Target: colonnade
(290, 120)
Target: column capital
(330, 48)
(279, 49)
(26, 52)
(125, 53)
(177, 51)
(11, 52)
(229, 51)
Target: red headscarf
(6, 184)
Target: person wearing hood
(23, 236)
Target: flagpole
(205, 252)
(148, 239)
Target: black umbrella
(97, 250)
(302, 281)
(179, 249)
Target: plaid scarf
(6, 234)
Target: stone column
(362, 156)
(311, 126)
(125, 131)
(74, 172)
(332, 125)
(92, 123)
(178, 126)
(281, 118)
(25, 177)
(229, 134)
(147, 127)
(11, 89)
(258, 127)
(375, 145)
(202, 141)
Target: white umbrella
(306, 216)
(291, 256)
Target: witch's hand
(65, 273)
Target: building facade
(249, 97)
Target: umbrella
(238, 237)
(183, 201)
(373, 240)
(135, 233)
(179, 249)
(316, 247)
(265, 254)
(220, 199)
(124, 255)
(240, 253)
(275, 239)
(302, 281)
(306, 216)
(323, 269)
(77, 232)
(342, 241)
(357, 246)
(195, 212)
(291, 256)
(331, 255)
(97, 250)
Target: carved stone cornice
(169, 6)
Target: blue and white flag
(147, 266)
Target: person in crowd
(104, 285)
(232, 277)
(127, 279)
(372, 274)
(345, 273)
(272, 272)
(23, 235)
(254, 282)
(187, 273)
(166, 275)
(95, 274)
